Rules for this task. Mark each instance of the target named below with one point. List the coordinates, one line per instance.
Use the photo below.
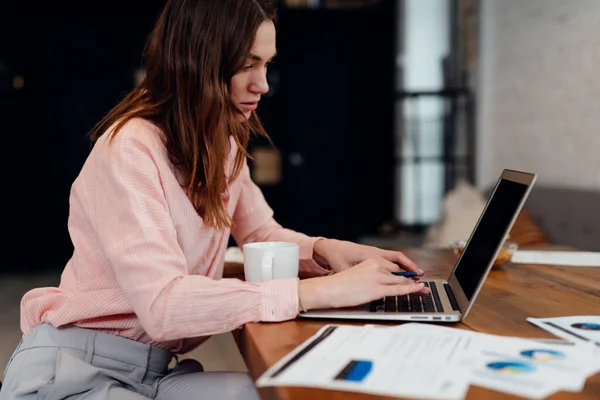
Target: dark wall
(334, 119)
(76, 63)
(331, 105)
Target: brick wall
(539, 91)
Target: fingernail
(421, 271)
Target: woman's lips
(250, 106)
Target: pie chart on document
(587, 326)
(543, 354)
(511, 367)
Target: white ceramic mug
(265, 261)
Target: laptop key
(415, 303)
(436, 296)
(376, 305)
(390, 304)
(428, 305)
(403, 303)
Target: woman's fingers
(405, 262)
(417, 288)
(407, 286)
(388, 278)
(387, 265)
(424, 291)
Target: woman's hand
(369, 280)
(340, 255)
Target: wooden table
(509, 296)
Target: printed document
(420, 360)
(375, 360)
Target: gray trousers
(59, 363)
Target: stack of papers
(553, 257)
(432, 362)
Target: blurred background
(379, 110)
(371, 111)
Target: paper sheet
(422, 360)
(525, 367)
(522, 367)
(570, 258)
(374, 360)
(579, 328)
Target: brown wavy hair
(193, 52)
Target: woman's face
(251, 81)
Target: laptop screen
(491, 229)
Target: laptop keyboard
(429, 303)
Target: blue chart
(355, 371)
(511, 367)
(587, 326)
(543, 354)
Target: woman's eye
(247, 67)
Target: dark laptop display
(490, 230)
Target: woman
(150, 216)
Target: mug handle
(267, 266)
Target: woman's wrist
(320, 251)
(309, 295)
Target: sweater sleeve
(131, 218)
(253, 222)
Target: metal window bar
(456, 154)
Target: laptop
(451, 299)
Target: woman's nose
(259, 83)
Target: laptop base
(365, 311)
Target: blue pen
(405, 274)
